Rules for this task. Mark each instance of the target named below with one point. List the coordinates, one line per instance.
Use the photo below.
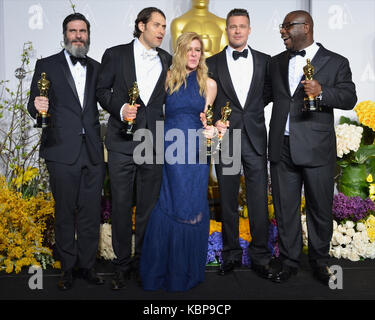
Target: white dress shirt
(241, 73)
(147, 69)
(295, 75)
(79, 76)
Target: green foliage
(19, 141)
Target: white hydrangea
(350, 241)
(348, 138)
(105, 249)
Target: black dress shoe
(66, 280)
(284, 274)
(227, 267)
(263, 271)
(119, 280)
(323, 274)
(91, 276)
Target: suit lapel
(68, 75)
(319, 60)
(224, 77)
(129, 65)
(255, 79)
(89, 78)
(159, 84)
(284, 71)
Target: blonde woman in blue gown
(175, 245)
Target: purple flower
(353, 208)
(106, 210)
(273, 238)
(245, 254)
(215, 246)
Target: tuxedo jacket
(312, 136)
(250, 117)
(117, 75)
(62, 141)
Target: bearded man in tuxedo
(72, 148)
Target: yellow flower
(369, 178)
(245, 229)
(23, 223)
(303, 204)
(244, 212)
(215, 226)
(372, 189)
(370, 225)
(365, 111)
(370, 221)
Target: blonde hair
(178, 72)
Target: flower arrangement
(353, 207)
(23, 222)
(356, 161)
(215, 243)
(26, 206)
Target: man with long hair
(140, 61)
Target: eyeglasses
(288, 25)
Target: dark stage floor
(358, 283)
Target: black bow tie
(82, 61)
(237, 54)
(301, 53)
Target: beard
(77, 51)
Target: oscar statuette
(133, 96)
(209, 118)
(225, 113)
(42, 119)
(310, 103)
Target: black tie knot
(81, 60)
(237, 54)
(301, 53)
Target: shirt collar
(311, 50)
(139, 48)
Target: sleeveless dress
(175, 244)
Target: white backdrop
(345, 26)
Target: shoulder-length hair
(178, 72)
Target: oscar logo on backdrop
(209, 26)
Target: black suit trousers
(124, 174)
(287, 181)
(77, 190)
(255, 171)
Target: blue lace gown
(175, 245)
